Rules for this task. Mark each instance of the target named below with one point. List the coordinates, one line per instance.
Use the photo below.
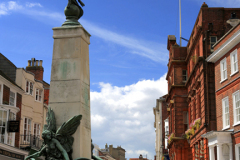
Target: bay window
(6, 137)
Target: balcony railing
(30, 141)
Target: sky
(128, 57)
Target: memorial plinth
(70, 83)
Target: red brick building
(191, 85)
(226, 139)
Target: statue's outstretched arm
(35, 155)
(60, 147)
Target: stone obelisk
(70, 79)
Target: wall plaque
(10, 154)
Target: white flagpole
(180, 23)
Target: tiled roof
(9, 79)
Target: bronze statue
(75, 2)
(73, 12)
(57, 144)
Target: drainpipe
(206, 68)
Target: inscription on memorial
(10, 154)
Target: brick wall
(19, 105)
(37, 70)
(228, 60)
(46, 96)
(220, 95)
(164, 116)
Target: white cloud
(30, 5)
(6, 8)
(143, 152)
(148, 49)
(128, 115)
(97, 120)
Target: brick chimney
(35, 66)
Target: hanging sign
(13, 126)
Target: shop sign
(12, 155)
(13, 126)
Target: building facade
(29, 107)
(224, 142)
(10, 115)
(191, 91)
(160, 114)
(117, 153)
(33, 111)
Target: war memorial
(67, 135)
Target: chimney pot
(33, 61)
(40, 63)
(29, 63)
(36, 62)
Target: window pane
(27, 84)
(239, 152)
(31, 88)
(235, 67)
(213, 39)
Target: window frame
(4, 136)
(234, 108)
(212, 43)
(226, 99)
(221, 69)
(232, 63)
(27, 137)
(14, 99)
(237, 152)
(28, 88)
(185, 119)
(184, 75)
(36, 129)
(38, 94)
(1, 93)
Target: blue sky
(128, 57)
